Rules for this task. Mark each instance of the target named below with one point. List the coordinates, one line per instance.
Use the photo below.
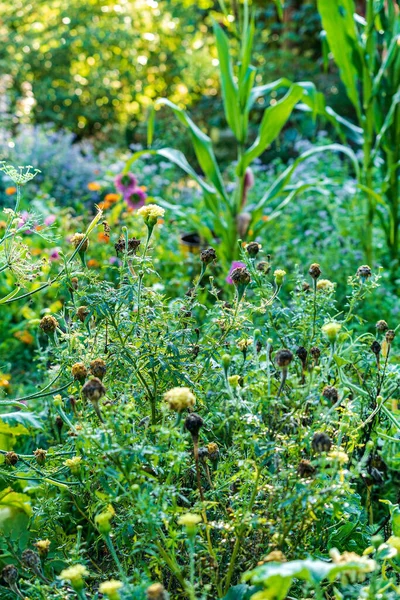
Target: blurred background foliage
(95, 67)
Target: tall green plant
(367, 52)
(228, 215)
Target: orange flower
(111, 198)
(265, 218)
(143, 188)
(24, 336)
(38, 228)
(103, 237)
(11, 190)
(3, 224)
(4, 380)
(93, 186)
(105, 204)
(93, 263)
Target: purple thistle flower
(125, 183)
(136, 198)
(235, 265)
(50, 220)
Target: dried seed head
(240, 276)
(376, 347)
(43, 547)
(10, 574)
(11, 458)
(193, 424)
(98, 368)
(203, 453)
(306, 287)
(74, 283)
(31, 559)
(79, 372)
(390, 335)
(93, 389)
(133, 245)
(364, 272)
(40, 456)
(305, 468)
(48, 324)
(156, 591)
(82, 312)
(179, 399)
(321, 442)
(315, 353)
(283, 358)
(330, 393)
(208, 256)
(301, 352)
(77, 239)
(382, 326)
(264, 267)
(315, 271)
(252, 249)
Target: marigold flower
(325, 285)
(73, 463)
(111, 198)
(75, 575)
(43, 547)
(10, 190)
(77, 239)
(189, 519)
(94, 186)
(150, 213)
(24, 336)
(93, 263)
(111, 588)
(180, 398)
(331, 330)
(279, 275)
(102, 521)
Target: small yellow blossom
(244, 344)
(75, 575)
(331, 330)
(93, 186)
(73, 463)
(150, 213)
(180, 398)
(189, 520)
(111, 588)
(325, 285)
(43, 547)
(103, 519)
(339, 455)
(279, 275)
(234, 380)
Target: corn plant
(227, 215)
(367, 52)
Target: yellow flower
(234, 380)
(244, 344)
(394, 541)
(43, 547)
(110, 588)
(24, 336)
(331, 330)
(339, 455)
(180, 398)
(73, 463)
(75, 575)
(325, 285)
(189, 520)
(150, 213)
(103, 519)
(4, 380)
(93, 186)
(279, 275)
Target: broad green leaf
(240, 592)
(229, 88)
(24, 418)
(273, 120)
(339, 25)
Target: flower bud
(315, 271)
(208, 256)
(193, 424)
(283, 358)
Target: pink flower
(235, 265)
(54, 254)
(50, 220)
(136, 198)
(125, 183)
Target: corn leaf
(230, 94)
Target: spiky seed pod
(382, 326)
(93, 390)
(315, 271)
(98, 368)
(376, 347)
(156, 591)
(264, 267)
(364, 272)
(10, 574)
(31, 559)
(321, 442)
(283, 358)
(208, 256)
(330, 393)
(11, 458)
(305, 468)
(82, 312)
(302, 353)
(40, 456)
(315, 353)
(133, 245)
(306, 287)
(48, 324)
(193, 424)
(79, 372)
(390, 335)
(77, 239)
(252, 249)
(240, 276)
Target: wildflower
(150, 214)
(50, 219)
(234, 380)
(156, 591)
(136, 199)
(19, 175)
(79, 372)
(11, 458)
(321, 442)
(93, 389)
(382, 326)
(253, 248)
(331, 330)
(305, 468)
(315, 353)
(189, 520)
(325, 285)
(208, 256)
(302, 353)
(180, 398)
(93, 263)
(82, 313)
(339, 455)
(102, 521)
(24, 336)
(4, 380)
(376, 347)
(73, 464)
(98, 368)
(394, 541)
(364, 272)
(48, 324)
(330, 393)
(111, 588)
(10, 190)
(315, 271)
(213, 450)
(43, 547)
(358, 565)
(235, 265)
(244, 344)
(75, 575)
(111, 198)
(274, 556)
(93, 186)
(279, 275)
(40, 456)
(125, 183)
(10, 574)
